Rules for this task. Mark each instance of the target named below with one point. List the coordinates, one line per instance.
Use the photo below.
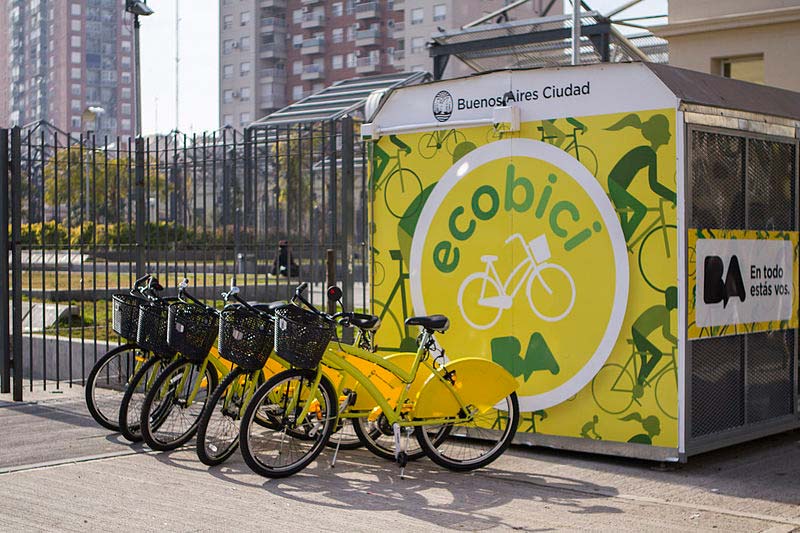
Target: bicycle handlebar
(516, 236)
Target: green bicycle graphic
(388, 318)
(583, 154)
(401, 186)
(615, 386)
(430, 143)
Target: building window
(337, 9)
(227, 120)
(126, 93)
(417, 45)
(417, 15)
(76, 57)
(245, 43)
(227, 96)
(244, 118)
(227, 46)
(76, 73)
(244, 94)
(337, 35)
(75, 9)
(227, 22)
(76, 123)
(76, 89)
(126, 124)
(748, 68)
(297, 92)
(126, 109)
(297, 16)
(337, 62)
(351, 33)
(125, 46)
(125, 77)
(439, 12)
(297, 41)
(75, 41)
(297, 67)
(351, 60)
(227, 72)
(75, 105)
(244, 18)
(75, 24)
(244, 68)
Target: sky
(199, 64)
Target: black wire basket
(245, 337)
(125, 315)
(301, 337)
(152, 332)
(191, 330)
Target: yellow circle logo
(520, 247)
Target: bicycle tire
(452, 141)
(213, 451)
(659, 401)
(599, 392)
(426, 148)
(412, 191)
(382, 445)
(461, 436)
(129, 415)
(590, 162)
(529, 288)
(460, 300)
(115, 363)
(271, 401)
(154, 417)
(662, 227)
(401, 331)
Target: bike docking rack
(632, 262)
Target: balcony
(272, 24)
(310, 2)
(399, 5)
(272, 101)
(313, 46)
(397, 58)
(365, 65)
(270, 50)
(367, 10)
(269, 4)
(369, 37)
(312, 72)
(398, 30)
(312, 20)
(272, 75)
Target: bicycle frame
(528, 263)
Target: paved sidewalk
(59, 470)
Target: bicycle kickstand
(400, 449)
(350, 399)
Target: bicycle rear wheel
(476, 443)
(378, 438)
(170, 414)
(287, 444)
(130, 409)
(108, 381)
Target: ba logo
(442, 106)
(524, 252)
(715, 289)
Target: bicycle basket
(191, 330)
(244, 337)
(125, 315)
(152, 332)
(301, 336)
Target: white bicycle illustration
(494, 294)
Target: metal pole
(330, 263)
(177, 63)
(138, 76)
(348, 215)
(5, 336)
(576, 32)
(140, 206)
(16, 261)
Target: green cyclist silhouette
(651, 426)
(653, 319)
(381, 158)
(656, 131)
(553, 133)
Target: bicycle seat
(438, 323)
(267, 307)
(488, 258)
(365, 322)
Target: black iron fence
(88, 215)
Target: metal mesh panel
(770, 185)
(717, 401)
(769, 374)
(717, 178)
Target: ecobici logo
(524, 252)
(442, 106)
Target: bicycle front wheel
(171, 410)
(474, 443)
(108, 381)
(479, 299)
(218, 431)
(130, 410)
(289, 442)
(378, 438)
(402, 193)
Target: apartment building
(751, 40)
(60, 57)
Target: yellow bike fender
(479, 384)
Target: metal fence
(741, 180)
(87, 215)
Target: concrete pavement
(59, 470)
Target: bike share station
(622, 238)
